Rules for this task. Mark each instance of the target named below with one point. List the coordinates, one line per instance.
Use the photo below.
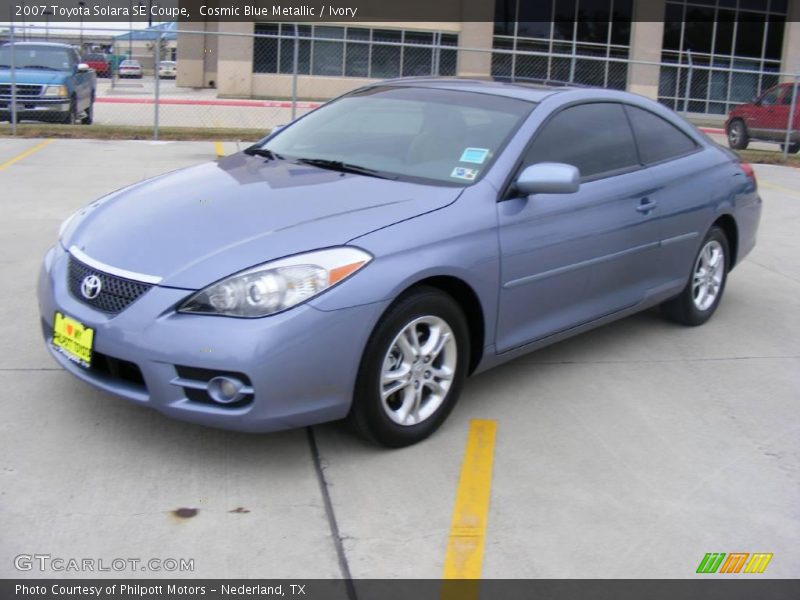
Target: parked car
(167, 69)
(130, 69)
(362, 261)
(51, 83)
(100, 63)
(766, 119)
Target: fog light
(225, 390)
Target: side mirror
(549, 178)
(83, 68)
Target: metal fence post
(295, 68)
(13, 83)
(790, 124)
(688, 90)
(157, 86)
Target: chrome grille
(116, 293)
(24, 90)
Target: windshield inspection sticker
(474, 155)
(464, 173)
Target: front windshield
(36, 57)
(406, 132)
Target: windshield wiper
(343, 167)
(266, 153)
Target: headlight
(56, 90)
(277, 285)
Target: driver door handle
(646, 205)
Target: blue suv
(51, 83)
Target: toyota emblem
(91, 286)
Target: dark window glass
(673, 17)
(303, 49)
(501, 63)
(593, 21)
(724, 41)
(621, 22)
(385, 59)
(699, 30)
(535, 19)
(417, 61)
(787, 95)
(776, 27)
(448, 58)
(750, 34)
(753, 4)
(328, 56)
(265, 50)
(504, 16)
(771, 97)
(357, 54)
(657, 138)
(596, 138)
(778, 6)
(564, 23)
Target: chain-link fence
(247, 82)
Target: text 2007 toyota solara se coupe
(362, 261)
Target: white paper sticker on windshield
(474, 155)
(464, 173)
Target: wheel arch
(469, 302)
(728, 225)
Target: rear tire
(793, 148)
(702, 294)
(412, 369)
(738, 136)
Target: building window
(352, 51)
(717, 39)
(585, 41)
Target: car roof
(534, 91)
(40, 45)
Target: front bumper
(302, 364)
(35, 108)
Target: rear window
(95, 57)
(658, 139)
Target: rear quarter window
(658, 139)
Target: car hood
(197, 225)
(40, 76)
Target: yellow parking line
(25, 154)
(779, 188)
(464, 556)
(219, 149)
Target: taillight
(747, 168)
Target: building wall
(646, 28)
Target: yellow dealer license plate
(73, 339)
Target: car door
(567, 259)
(685, 186)
(770, 116)
(83, 83)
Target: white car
(167, 69)
(130, 68)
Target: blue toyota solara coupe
(362, 261)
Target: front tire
(88, 117)
(738, 137)
(702, 294)
(72, 116)
(412, 370)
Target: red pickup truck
(766, 118)
(100, 63)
